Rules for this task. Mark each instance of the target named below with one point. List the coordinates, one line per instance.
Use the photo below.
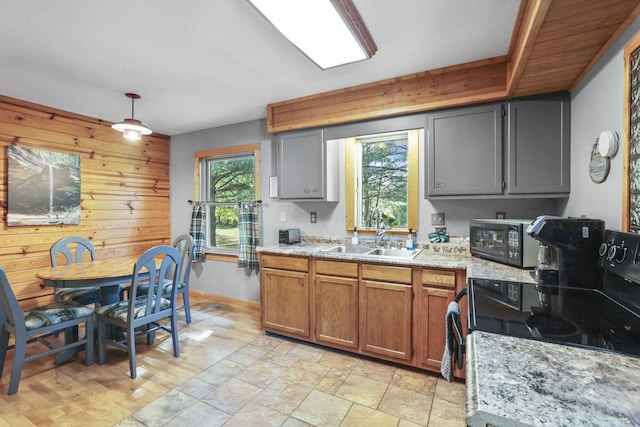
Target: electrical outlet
(283, 216)
(437, 218)
(501, 215)
(313, 217)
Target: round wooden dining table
(107, 274)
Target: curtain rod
(191, 202)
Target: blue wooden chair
(140, 315)
(74, 249)
(36, 325)
(184, 244)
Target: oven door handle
(455, 342)
(458, 333)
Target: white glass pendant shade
(132, 129)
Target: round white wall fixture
(608, 143)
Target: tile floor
(274, 381)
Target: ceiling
(206, 63)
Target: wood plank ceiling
(554, 45)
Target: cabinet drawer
(386, 273)
(285, 262)
(337, 268)
(443, 278)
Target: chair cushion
(166, 288)
(55, 313)
(80, 295)
(119, 309)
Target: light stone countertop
(521, 382)
(432, 256)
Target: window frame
(200, 159)
(415, 140)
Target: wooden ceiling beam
(533, 15)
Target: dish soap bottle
(354, 238)
(411, 245)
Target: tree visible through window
(383, 179)
(382, 176)
(227, 177)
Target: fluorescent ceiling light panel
(330, 33)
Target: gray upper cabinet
(512, 149)
(538, 149)
(306, 167)
(464, 151)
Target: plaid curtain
(249, 214)
(197, 230)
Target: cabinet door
(434, 303)
(336, 303)
(301, 165)
(464, 151)
(285, 301)
(385, 316)
(539, 146)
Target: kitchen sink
(348, 250)
(394, 253)
(378, 252)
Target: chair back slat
(184, 244)
(146, 272)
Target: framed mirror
(631, 138)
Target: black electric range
(606, 318)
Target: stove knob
(617, 253)
(603, 249)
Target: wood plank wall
(125, 191)
(464, 84)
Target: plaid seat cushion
(166, 287)
(119, 309)
(55, 313)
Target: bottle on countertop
(354, 238)
(411, 244)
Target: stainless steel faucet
(381, 227)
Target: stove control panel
(619, 254)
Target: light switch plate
(273, 186)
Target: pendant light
(132, 129)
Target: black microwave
(503, 240)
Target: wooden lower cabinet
(433, 309)
(386, 296)
(392, 312)
(386, 319)
(336, 304)
(285, 297)
(438, 288)
(335, 295)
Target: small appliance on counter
(503, 240)
(568, 254)
(289, 236)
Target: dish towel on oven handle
(454, 345)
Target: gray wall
(597, 105)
